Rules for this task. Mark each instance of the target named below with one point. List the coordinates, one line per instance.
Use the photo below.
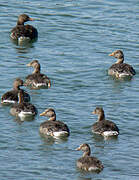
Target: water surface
(75, 38)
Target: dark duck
(37, 80)
(11, 97)
(104, 127)
(52, 127)
(120, 69)
(23, 32)
(88, 162)
(23, 109)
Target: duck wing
(123, 68)
(89, 163)
(24, 31)
(25, 107)
(105, 125)
(10, 95)
(54, 126)
(37, 79)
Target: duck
(23, 109)
(88, 162)
(104, 127)
(23, 32)
(37, 80)
(120, 69)
(52, 127)
(11, 97)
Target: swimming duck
(120, 69)
(11, 97)
(23, 109)
(104, 127)
(87, 162)
(23, 32)
(36, 79)
(52, 127)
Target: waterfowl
(120, 69)
(37, 79)
(87, 162)
(11, 97)
(23, 32)
(23, 109)
(104, 127)
(53, 127)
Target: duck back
(103, 126)
(54, 128)
(122, 69)
(88, 163)
(24, 31)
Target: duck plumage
(22, 32)
(11, 97)
(87, 162)
(102, 126)
(23, 109)
(120, 69)
(37, 79)
(53, 127)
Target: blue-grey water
(75, 38)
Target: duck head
(119, 55)
(23, 18)
(49, 113)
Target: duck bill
(28, 65)
(112, 54)
(49, 84)
(42, 114)
(78, 149)
(93, 112)
(31, 19)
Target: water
(75, 38)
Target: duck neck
(16, 87)
(53, 118)
(20, 98)
(87, 153)
(101, 116)
(37, 69)
(20, 22)
(120, 61)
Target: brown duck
(102, 126)
(37, 80)
(23, 32)
(11, 97)
(87, 162)
(120, 69)
(23, 109)
(53, 127)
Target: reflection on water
(99, 138)
(26, 43)
(49, 140)
(24, 49)
(82, 178)
(20, 120)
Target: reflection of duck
(53, 127)
(87, 162)
(120, 69)
(12, 96)
(104, 127)
(23, 109)
(23, 32)
(36, 79)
